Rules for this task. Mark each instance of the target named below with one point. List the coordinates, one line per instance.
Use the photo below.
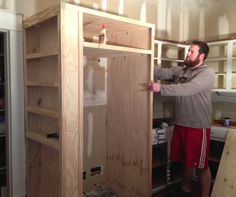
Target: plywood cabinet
(88, 114)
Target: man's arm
(166, 73)
(203, 81)
(197, 84)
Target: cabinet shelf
(106, 50)
(41, 54)
(53, 143)
(42, 84)
(43, 111)
(171, 60)
(220, 73)
(216, 59)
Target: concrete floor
(171, 192)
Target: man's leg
(187, 179)
(205, 181)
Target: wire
(85, 194)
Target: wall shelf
(43, 111)
(53, 143)
(41, 54)
(222, 60)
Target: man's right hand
(154, 87)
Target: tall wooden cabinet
(87, 112)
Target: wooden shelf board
(106, 50)
(41, 16)
(171, 59)
(171, 43)
(41, 54)
(220, 89)
(53, 143)
(220, 73)
(95, 16)
(233, 89)
(42, 84)
(43, 111)
(216, 59)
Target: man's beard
(190, 63)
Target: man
(192, 87)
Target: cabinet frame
(76, 40)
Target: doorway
(3, 119)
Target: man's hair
(203, 47)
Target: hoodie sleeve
(166, 73)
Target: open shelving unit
(91, 99)
(222, 59)
(167, 54)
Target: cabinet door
(128, 138)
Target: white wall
(12, 26)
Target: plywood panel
(95, 146)
(72, 109)
(43, 70)
(95, 81)
(225, 184)
(95, 114)
(128, 33)
(37, 36)
(128, 136)
(43, 177)
(43, 97)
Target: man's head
(197, 53)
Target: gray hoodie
(192, 88)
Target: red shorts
(190, 146)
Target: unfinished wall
(178, 20)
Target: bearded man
(192, 87)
